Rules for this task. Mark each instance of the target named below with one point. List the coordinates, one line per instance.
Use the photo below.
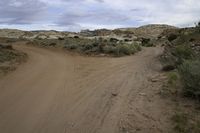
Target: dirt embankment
(56, 92)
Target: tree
(198, 26)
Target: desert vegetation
(95, 46)
(183, 123)
(182, 54)
(103, 46)
(190, 76)
(181, 59)
(9, 58)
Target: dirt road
(56, 92)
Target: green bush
(127, 49)
(172, 37)
(101, 46)
(109, 49)
(148, 45)
(6, 47)
(182, 52)
(190, 75)
(137, 47)
(185, 123)
(124, 49)
(172, 78)
(87, 47)
(71, 46)
(7, 55)
(146, 42)
(180, 122)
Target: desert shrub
(76, 37)
(87, 47)
(101, 46)
(182, 52)
(172, 78)
(52, 44)
(114, 40)
(172, 37)
(124, 49)
(190, 75)
(6, 47)
(61, 38)
(12, 40)
(110, 50)
(127, 40)
(71, 46)
(90, 48)
(127, 49)
(180, 122)
(137, 46)
(11, 56)
(191, 40)
(171, 87)
(168, 67)
(185, 123)
(7, 55)
(77, 43)
(146, 42)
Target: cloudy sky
(74, 15)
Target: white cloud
(173, 12)
(77, 14)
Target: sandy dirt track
(54, 92)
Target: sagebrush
(190, 75)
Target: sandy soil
(55, 92)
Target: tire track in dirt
(55, 92)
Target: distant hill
(149, 31)
(11, 33)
